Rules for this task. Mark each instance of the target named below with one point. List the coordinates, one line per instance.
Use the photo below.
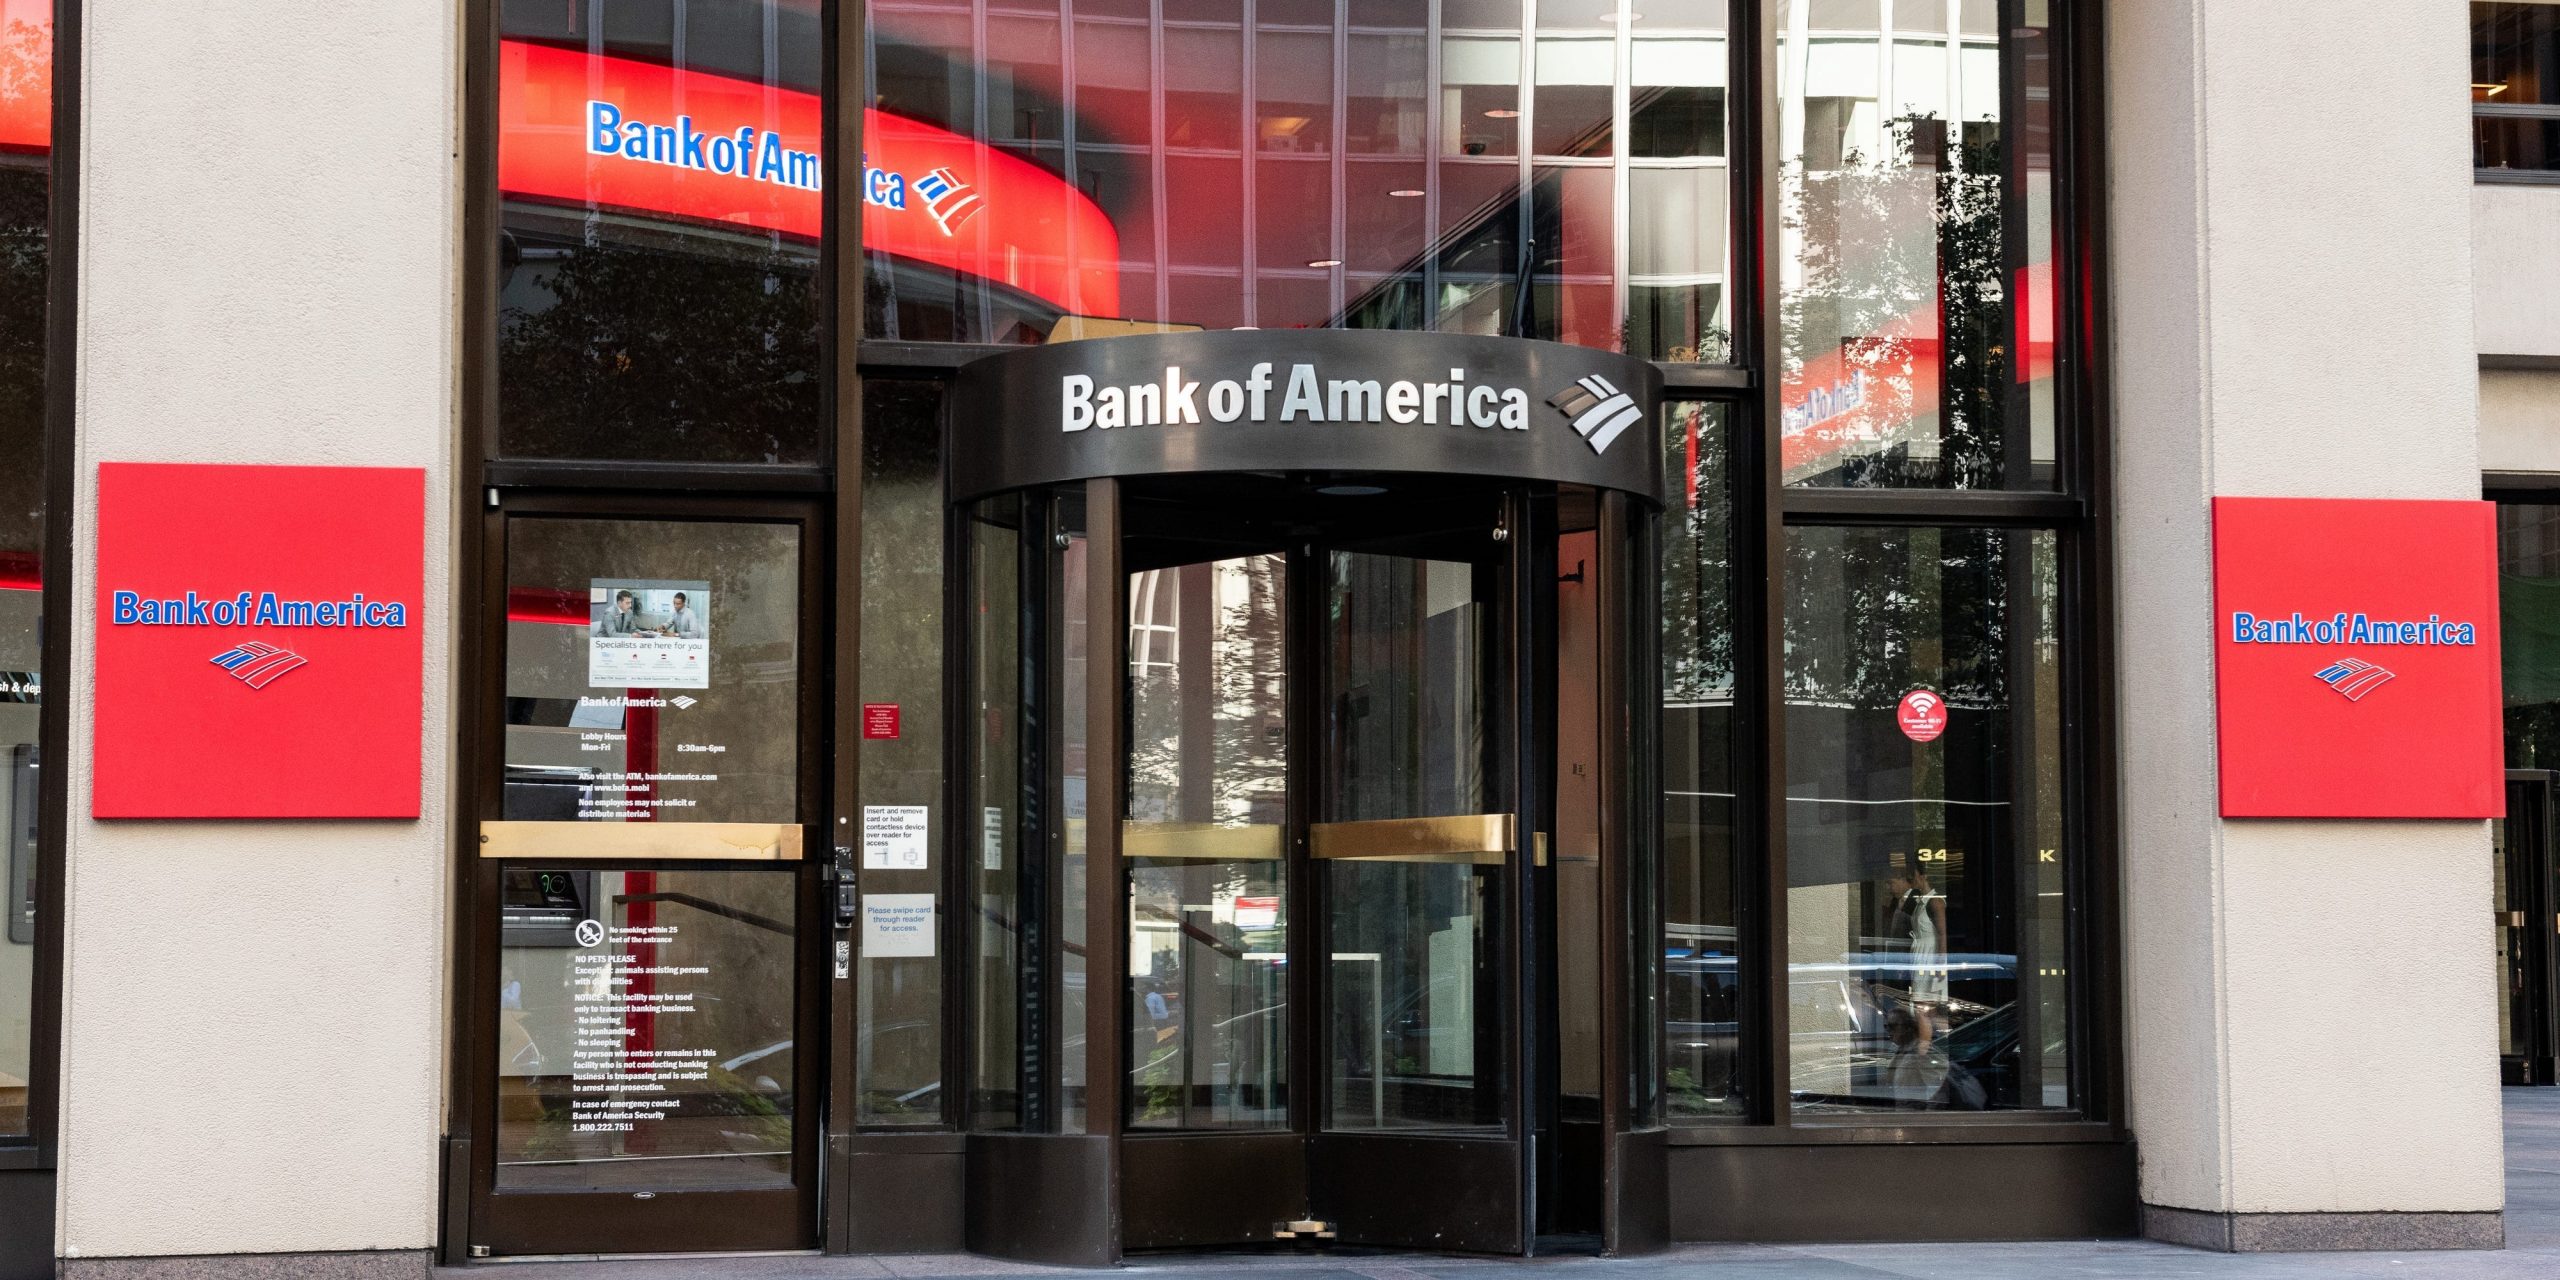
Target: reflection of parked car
(1841, 1025)
(1987, 1048)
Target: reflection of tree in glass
(663, 356)
(1881, 246)
(1871, 613)
(23, 255)
(1697, 565)
(1240, 774)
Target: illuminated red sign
(26, 75)
(259, 641)
(2356, 658)
(617, 133)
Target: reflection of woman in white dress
(1926, 911)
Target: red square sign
(260, 647)
(879, 719)
(2356, 658)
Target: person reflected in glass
(1921, 918)
(1919, 1069)
(684, 624)
(623, 619)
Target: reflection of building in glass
(1916, 238)
(1380, 170)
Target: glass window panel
(1926, 906)
(2515, 54)
(27, 59)
(1677, 202)
(2511, 143)
(994, 544)
(1293, 92)
(653, 671)
(1142, 129)
(898, 1047)
(1706, 1065)
(1576, 296)
(658, 296)
(1415, 1019)
(1075, 771)
(2529, 631)
(1575, 79)
(1205, 839)
(645, 1028)
(1915, 249)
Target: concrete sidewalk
(2533, 1250)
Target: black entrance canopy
(1308, 400)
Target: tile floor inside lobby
(2533, 1250)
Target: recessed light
(1352, 490)
(1502, 113)
(1326, 262)
(1406, 193)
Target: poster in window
(650, 634)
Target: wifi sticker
(1922, 715)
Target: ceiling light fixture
(1502, 113)
(1407, 193)
(1326, 262)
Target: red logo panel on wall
(260, 647)
(2356, 658)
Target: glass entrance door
(1322, 860)
(2523, 910)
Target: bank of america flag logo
(949, 200)
(257, 665)
(1600, 412)
(2352, 677)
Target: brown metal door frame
(666, 1220)
(1470, 1193)
(1635, 1154)
(2534, 893)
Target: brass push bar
(1481, 838)
(721, 841)
(1202, 841)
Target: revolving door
(1308, 864)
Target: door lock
(848, 906)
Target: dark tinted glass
(26, 114)
(1926, 904)
(2529, 631)
(2515, 55)
(658, 171)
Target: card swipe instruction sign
(260, 644)
(2356, 658)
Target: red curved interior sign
(611, 132)
(26, 75)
